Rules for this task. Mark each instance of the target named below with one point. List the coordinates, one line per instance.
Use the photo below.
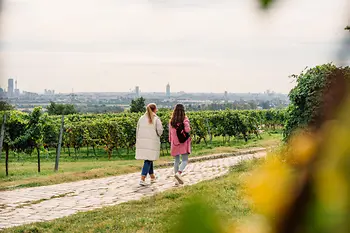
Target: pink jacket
(178, 148)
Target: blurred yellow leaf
(303, 149)
(270, 187)
(254, 224)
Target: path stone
(24, 206)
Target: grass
(160, 213)
(29, 203)
(23, 168)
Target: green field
(162, 212)
(23, 168)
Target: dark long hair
(178, 115)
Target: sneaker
(179, 178)
(154, 180)
(143, 183)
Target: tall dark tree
(61, 109)
(4, 106)
(138, 105)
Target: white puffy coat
(147, 139)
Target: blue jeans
(180, 167)
(147, 168)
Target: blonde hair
(150, 112)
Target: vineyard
(38, 131)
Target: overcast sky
(195, 45)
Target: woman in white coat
(148, 132)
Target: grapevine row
(118, 131)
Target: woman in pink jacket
(179, 119)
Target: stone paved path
(30, 205)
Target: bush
(306, 97)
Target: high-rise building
(226, 96)
(168, 90)
(16, 92)
(137, 91)
(10, 87)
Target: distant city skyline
(137, 90)
(198, 46)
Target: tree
(306, 98)
(252, 105)
(34, 132)
(31, 137)
(4, 106)
(138, 105)
(61, 109)
(265, 104)
(14, 129)
(99, 109)
(35, 126)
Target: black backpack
(182, 135)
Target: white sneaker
(154, 180)
(179, 178)
(143, 183)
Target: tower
(226, 96)
(168, 90)
(137, 91)
(16, 89)
(10, 88)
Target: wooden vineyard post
(210, 135)
(59, 145)
(2, 133)
(7, 160)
